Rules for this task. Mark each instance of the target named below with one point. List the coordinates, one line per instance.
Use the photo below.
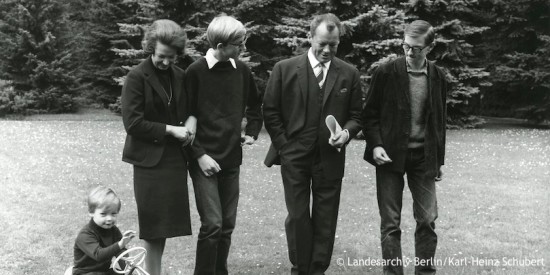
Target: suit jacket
(145, 112)
(285, 102)
(387, 115)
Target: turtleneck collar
(98, 228)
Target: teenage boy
(223, 92)
(404, 123)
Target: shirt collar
(314, 62)
(212, 60)
(423, 70)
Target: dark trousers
(389, 186)
(310, 235)
(217, 198)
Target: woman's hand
(191, 124)
(179, 132)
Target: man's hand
(339, 139)
(247, 140)
(439, 176)
(379, 155)
(126, 238)
(208, 165)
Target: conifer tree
(94, 25)
(378, 33)
(456, 24)
(36, 57)
(517, 52)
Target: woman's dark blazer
(145, 112)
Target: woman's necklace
(171, 92)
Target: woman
(158, 125)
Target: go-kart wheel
(132, 257)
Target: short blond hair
(224, 29)
(103, 197)
(166, 32)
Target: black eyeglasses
(416, 49)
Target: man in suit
(404, 124)
(300, 93)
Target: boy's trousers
(217, 198)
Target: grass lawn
(494, 202)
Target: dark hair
(331, 21)
(419, 28)
(166, 32)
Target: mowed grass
(494, 202)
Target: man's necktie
(319, 74)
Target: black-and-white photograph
(301, 137)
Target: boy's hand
(126, 238)
(247, 140)
(208, 165)
(379, 155)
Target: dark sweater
(221, 97)
(94, 247)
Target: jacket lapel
(433, 85)
(153, 80)
(401, 67)
(177, 85)
(301, 70)
(332, 75)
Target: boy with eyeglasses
(404, 122)
(222, 92)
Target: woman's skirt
(161, 196)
